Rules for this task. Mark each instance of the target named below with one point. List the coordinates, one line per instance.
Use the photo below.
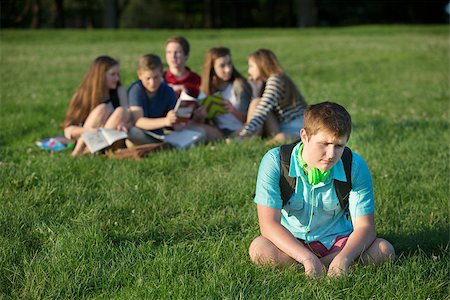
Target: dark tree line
(216, 13)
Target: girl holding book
(279, 106)
(220, 78)
(99, 101)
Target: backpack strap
(343, 188)
(287, 183)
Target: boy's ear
(138, 72)
(303, 135)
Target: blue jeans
(292, 127)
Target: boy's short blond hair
(150, 62)
(327, 116)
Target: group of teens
(267, 103)
(310, 226)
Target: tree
(307, 13)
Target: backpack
(287, 183)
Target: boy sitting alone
(312, 228)
(152, 102)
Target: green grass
(178, 224)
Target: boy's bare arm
(271, 228)
(151, 123)
(359, 241)
(136, 112)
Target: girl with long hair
(99, 101)
(220, 77)
(279, 106)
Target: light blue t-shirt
(320, 201)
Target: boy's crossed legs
(263, 251)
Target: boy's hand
(338, 267)
(313, 266)
(171, 118)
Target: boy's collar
(295, 170)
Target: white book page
(185, 105)
(186, 96)
(183, 139)
(94, 140)
(112, 135)
(185, 108)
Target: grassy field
(178, 224)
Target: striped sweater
(273, 100)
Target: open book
(185, 107)
(179, 139)
(102, 138)
(214, 105)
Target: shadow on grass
(428, 241)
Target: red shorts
(321, 251)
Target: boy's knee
(136, 136)
(262, 252)
(258, 250)
(386, 249)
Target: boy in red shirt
(178, 76)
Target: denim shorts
(292, 127)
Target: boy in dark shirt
(152, 101)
